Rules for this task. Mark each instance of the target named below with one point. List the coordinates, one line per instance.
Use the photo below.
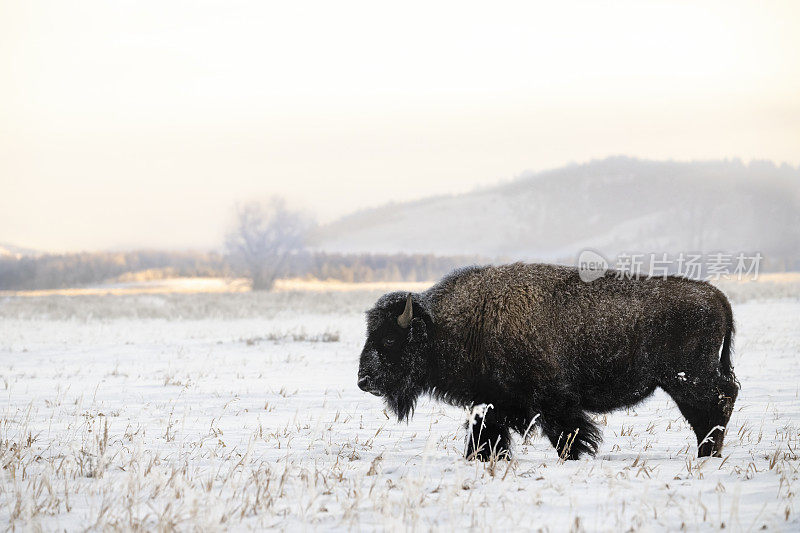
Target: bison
(539, 344)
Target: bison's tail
(726, 366)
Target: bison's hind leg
(707, 406)
(571, 432)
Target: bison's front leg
(488, 436)
(707, 406)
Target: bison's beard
(402, 403)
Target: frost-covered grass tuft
(161, 415)
(295, 336)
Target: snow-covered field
(240, 410)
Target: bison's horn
(404, 320)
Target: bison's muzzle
(366, 384)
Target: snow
(241, 411)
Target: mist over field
(613, 206)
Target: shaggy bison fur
(534, 339)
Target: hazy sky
(135, 123)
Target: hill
(612, 205)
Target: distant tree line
(74, 270)
(81, 269)
(371, 267)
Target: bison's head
(394, 363)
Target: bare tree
(265, 235)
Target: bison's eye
(388, 342)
